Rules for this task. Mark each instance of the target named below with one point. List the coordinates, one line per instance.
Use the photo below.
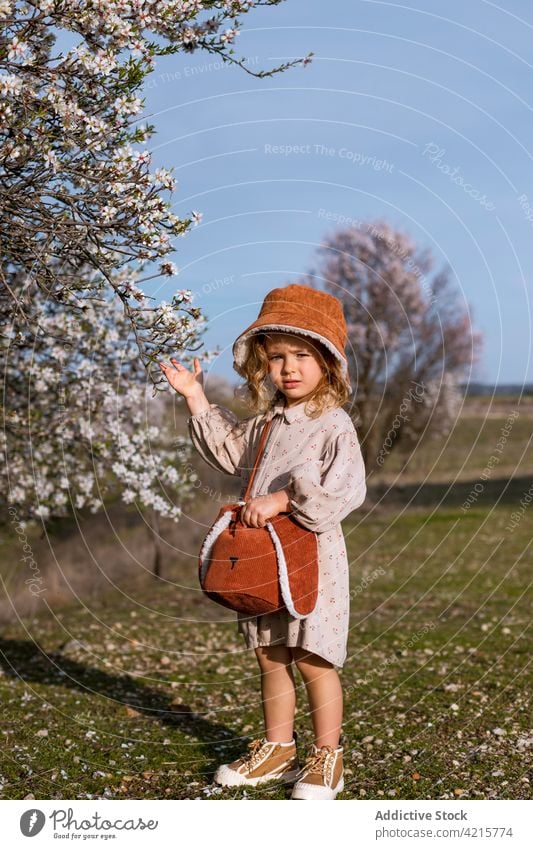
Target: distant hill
(489, 389)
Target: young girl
(311, 466)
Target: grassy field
(141, 694)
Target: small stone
(177, 706)
(74, 646)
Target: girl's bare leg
(278, 692)
(324, 692)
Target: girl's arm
(216, 432)
(322, 493)
(220, 438)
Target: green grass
(463, 454)
(436, 681)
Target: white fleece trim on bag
(205, 552)
(283, 574)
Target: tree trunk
(153, 530)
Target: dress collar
(289, 414)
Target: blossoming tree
(84, 224)
(76, 428)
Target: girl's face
(294, 367)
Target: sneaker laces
(254, 747)
(316, 762)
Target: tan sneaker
(322, 777)
(264, 761)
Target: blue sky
(397, 97)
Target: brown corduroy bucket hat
(298, 309)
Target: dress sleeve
(219, 436)
(323, 492)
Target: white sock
(280, 744)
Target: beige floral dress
(318, 461)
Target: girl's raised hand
(181, 379)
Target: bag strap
(257, 458)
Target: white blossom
(168, 268)
(17, 50)
(10, 84)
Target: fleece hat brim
(302, 310)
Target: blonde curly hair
(332, 390)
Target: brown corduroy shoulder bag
(260, 570)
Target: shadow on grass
(29, 662)
(503, 491)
